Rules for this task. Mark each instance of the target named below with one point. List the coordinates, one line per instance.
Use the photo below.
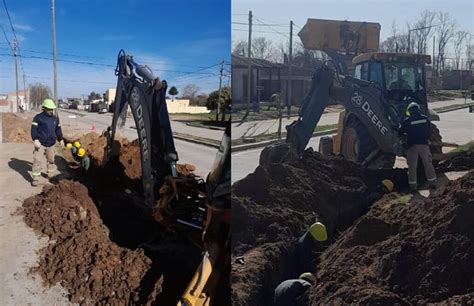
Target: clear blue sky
(381, 11)
(172, 37)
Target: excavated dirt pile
(416, 253)
(461, 161)
(81, 256)
(16, 127)
(105, 249)
(273, 207)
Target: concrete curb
(71, 112)
(273, 141)
(199, 140)
(205, 126)
(453, 108)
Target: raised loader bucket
(344, 36)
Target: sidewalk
(18, 243)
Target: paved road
(253, 128)
(456, 126)
(200, 156)
(18, 242)
(104, 120)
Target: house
(267, 78)
(8, 102)
(109, 95)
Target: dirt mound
(407, 253)
(462, 161)
(127, 151)
(16, 127)
(277, 203)
(82, 257)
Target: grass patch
(464, 148)
(193, 117)
(452, 107)
(274, 136)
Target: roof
(242, 61)
(389, 57)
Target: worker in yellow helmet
(310, 243)
(45, 131)
(288, 291)
(79, 154)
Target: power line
(199, 71)
(6, 38)
(270, 27)
(262, 25)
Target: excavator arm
(145, 94)
(172, 199)
(362, 98)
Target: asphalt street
(199, 155)
(456, 126)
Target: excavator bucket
(343, 36)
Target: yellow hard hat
(81, 152)
(388, 184)
(48, 104)
(69, 145)
(318, 231)
(309, 277)
(77, 144)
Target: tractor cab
(399, 75)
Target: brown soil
(462, 161)
(415, 253)
(273, 206)
(16, 127)
(81, 257)
(170, 257)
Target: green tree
(173, 92)
(93, 96)
(225, 100)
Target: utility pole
(249, 64)
(24, 90)
(16, 75)
(434, 71)
(290, 60)
(55, 77)
(219, 96)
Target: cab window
(357, 71)
(376, 73)
(365, 71)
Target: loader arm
(362, 98)
(145, 94)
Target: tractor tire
(357, 144)
(326, 146)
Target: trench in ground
(172, 254)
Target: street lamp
(409, 34)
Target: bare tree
(469, 51)
(38, 92)
(397, 42)
(263, 48)
(419, 38)
(459, 39)
(190, 91)
(240, 48)
(444, 33)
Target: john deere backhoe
(174, 199)
(373, 87)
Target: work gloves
(37, 144)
